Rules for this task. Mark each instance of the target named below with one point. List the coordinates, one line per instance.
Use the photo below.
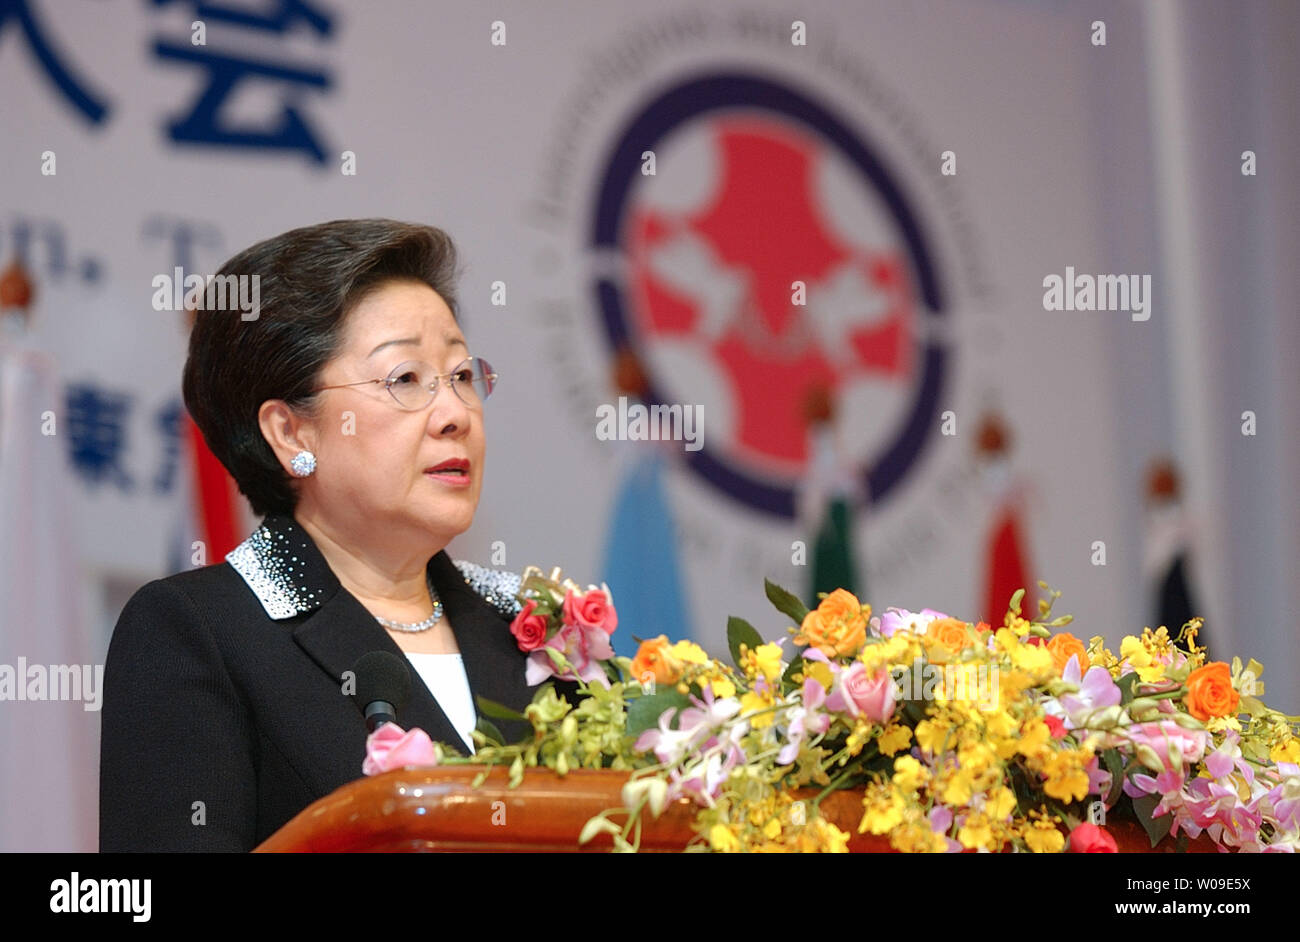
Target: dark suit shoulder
(177, 739)
(212, 598)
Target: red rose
(590, 610)
(529, 629)
(1090, 839)
(1056, 725)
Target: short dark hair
(309, 280)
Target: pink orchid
(806, 718)
(1187, 745)
(1099, 779)
(895, 619)
(940, 822)
(672, 745)
(709, 712)
(583, 647)
(702, 780)
(1097, 691)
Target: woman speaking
(349, 411)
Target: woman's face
(373, 457)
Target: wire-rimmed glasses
(414, 383)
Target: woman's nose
(449, 414)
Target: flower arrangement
(961, 736)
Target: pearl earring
(303, 464)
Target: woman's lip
(459, 464)
(449, 480)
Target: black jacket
(224, 713)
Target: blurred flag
(216, 504)
(1006, 552)
(641, 566)
(826, 509)
(827, 503)
(1008, 570)
(1166, 560)
(44, 631)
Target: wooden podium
(436, 809)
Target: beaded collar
(282, 566)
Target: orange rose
(655, 657)
(836, 627)
(1065, 645)
(950, 633)
(1210, 693)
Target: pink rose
(529, 629)
(858, 694)
(590, 610)
(390, 747)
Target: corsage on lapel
(564, 629)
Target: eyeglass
(414, 383)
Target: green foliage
(786, 603)
(1157, 828)
(643, 713)
(741, 632)
(498, 712)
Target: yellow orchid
(975, 833)
(894, 739)
(1043, 837)
(768, 659)
(909, 774)
(723, 839)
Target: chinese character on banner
(92, 106)
(97, 434)
(225, 72)
(168, 420)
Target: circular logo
(769, 259)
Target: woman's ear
(285, 431)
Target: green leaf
(497, 711)
(643, 713)
(741, 632)
(795, 667)
(785, 602)
(1157, 828)
(1252, 705)
(1126, 685)
(1115, 766)
(493, 734)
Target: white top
(444, 675)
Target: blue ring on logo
(719, 91)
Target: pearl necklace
(421, 625)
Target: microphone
(383, 687)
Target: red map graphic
(764, 227)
